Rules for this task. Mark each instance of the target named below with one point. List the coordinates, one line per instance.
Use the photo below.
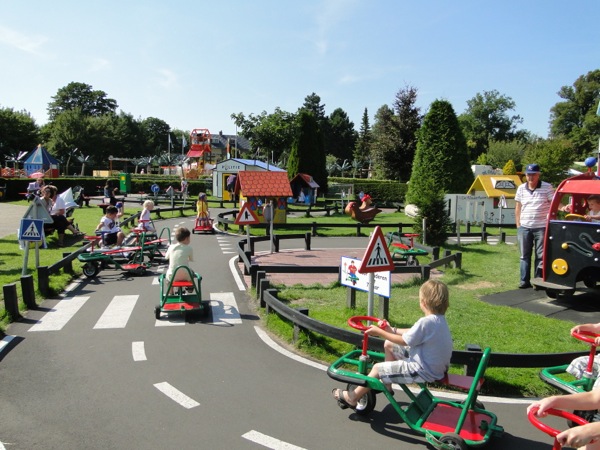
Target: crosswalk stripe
(117, 312)
(57, 317)
(224, 308)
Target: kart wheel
(590, 416)
(140, 270)
(104, 264)
(589, 281)
(453, 441)
(90, 269)
(412, 261)
(157, 312)
(366, 404)
(551, 293)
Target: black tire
(90, 269)
(157, 312)
(551, 293)
(412, 261)
(589, 281)
(366, 404)
(453, 441)
(590, 416)
(141, 270)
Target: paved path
(10, 218)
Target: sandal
(341, 401)
(79, 233)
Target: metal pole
(371, 294)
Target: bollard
(260, 275)
(307, 241)
(28, 291)
(471, 366)
(11, 303)
(44, 280)
(262, 287)
(68, 267)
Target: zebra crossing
(119, 310)
(226, 244)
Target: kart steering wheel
(536, 422)
(356, 322)
(576, 217)
(586, 336)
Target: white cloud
(27, 43)
(327, 16)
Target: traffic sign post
(268, 215)
(377, 258)
(32, 230)
(246, 217)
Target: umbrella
(36, 175)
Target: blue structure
(40, 160)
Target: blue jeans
(530, 238)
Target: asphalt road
(94, 369)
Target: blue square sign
(31, 230)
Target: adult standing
(533, 200)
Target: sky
(194, 63)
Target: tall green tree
(156, 133)
(362, 148)
(395, 136)
(486, 118)
(271, 133)
(441, 163)
(500, 152)
(341, 139)
(408, 117)
(307, 155)
(575, 117)
(383, 144)
(18, 133)
(554, 156)
(69, 131)
(81, 96)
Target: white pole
(371, 296)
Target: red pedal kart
(445, 424)
(403, 245)
(181, 296)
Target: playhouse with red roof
(257, 188)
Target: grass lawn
(487, 269)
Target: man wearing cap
(533, 200)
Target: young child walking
(145, 222)
(412, 355)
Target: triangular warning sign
(377, 258)
(246, 216)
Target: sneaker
(524, 286)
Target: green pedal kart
(445, 424)
(181, 296)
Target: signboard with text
(352, 278)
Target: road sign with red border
(246, 216)
(377, 257)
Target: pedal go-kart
(128, 259)
(445, 424)
(536, 422)
(405, 250)
(150, 242)
(558, 377)
(184, 296)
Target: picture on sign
(353, 279)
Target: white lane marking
(176, 395)
(57, 317)
(117, 312)
(138, 352)
(236, 276)
(3, 343)
(224, 307)
(155, 280)
(170, 320)
(268, 441)
(229, 253)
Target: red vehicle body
(571, 244)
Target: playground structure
(571, 244)
(200, 146)
(363, 214)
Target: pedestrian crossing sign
(246, 216)
(377, 257)
(31, 230)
